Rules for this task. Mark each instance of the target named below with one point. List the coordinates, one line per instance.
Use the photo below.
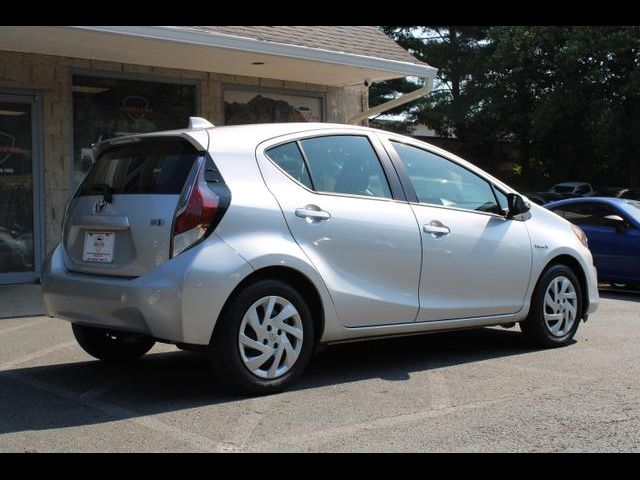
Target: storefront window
(105, 107)
(247, 106)
(16, 188)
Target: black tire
(535, 327)
(224, 352)
(111, 346)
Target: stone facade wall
(51, 77)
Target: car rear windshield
(151, 167)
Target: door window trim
(391, 175)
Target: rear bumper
(158, 303)
(138, 305)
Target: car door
(476, 262)
(346, 211)
(614, 245)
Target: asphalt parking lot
(477, 390)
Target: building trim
(232, 42)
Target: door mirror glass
(516, 205)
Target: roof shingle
(365, 40)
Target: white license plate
(98, 246)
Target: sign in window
(105, 107)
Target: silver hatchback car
(258, 244)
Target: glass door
(20, 241)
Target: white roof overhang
(190, 49)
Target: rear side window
(345, 164)
(158, 167)
(289, 158)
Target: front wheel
(264, 340)
(556, 309)
(111, 346)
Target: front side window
(345, 164)
(289, 158)
(438, 181)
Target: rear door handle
(436, 228)
(312, 212)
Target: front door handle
(436, 228)
(312, 212)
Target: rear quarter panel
(254, 226)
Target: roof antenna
(199, 122)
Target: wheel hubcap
(270, 337)
(560, 306)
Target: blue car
(612, 226)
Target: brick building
(64, 88)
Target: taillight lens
(195, 220)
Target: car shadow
(85, 393)
(619, 294)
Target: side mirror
(615, 221)
(516, 205)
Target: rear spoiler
(199, 138)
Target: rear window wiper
(104, 189)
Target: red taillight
(201, 210)
(195, 220)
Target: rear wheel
(111, 346)
(556, 309)
(264, 340)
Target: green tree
(455, 52)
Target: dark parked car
(612, 226)
(542, 198)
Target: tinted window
(289, 158)
(160, 167)
(345, 164)
(587, 213)
(438, 181)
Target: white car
(260, 243)
(579, 189)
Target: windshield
(632, 208)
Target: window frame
(407, 184)
(388, 168)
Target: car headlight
(580, 234)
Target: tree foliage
(539, 104)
